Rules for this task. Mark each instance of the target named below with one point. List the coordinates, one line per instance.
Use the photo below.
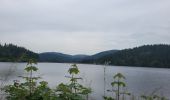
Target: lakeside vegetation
(143, 56)
(13, 53)
(32, 89)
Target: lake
(139, 80)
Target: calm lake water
(139, 80)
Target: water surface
(139, 80)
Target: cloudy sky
(84, 26)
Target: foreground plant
(29, 90)
(117, 85)
(153, 97)
(73, 90)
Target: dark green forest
(12, 53)
(145, 56)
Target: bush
(30, 90)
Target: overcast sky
(84, 26)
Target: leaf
(122, 84)
(108, 98)
(74, 69)
(43, 83)
(64, 88)
(31, 68)
(119, 76)
(114, 83)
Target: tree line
(144, 56)
(12, 53)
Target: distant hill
(144, 56)
(60, 57)
(65, 58)
(11, 53)
(147, 56)
(94, 58)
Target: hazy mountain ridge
(93, 58)
(66, 58)
(147, 55)
(60, 57)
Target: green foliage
(29, 90)
(73, 90)
(13, 53)
(108, 98)
(153, 97)
(73, 70)
(117, 84)
(146, 56)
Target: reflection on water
(139, 80)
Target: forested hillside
(66, 58)
(60, 57)
(94, 58)
(146, 56)
(11, 53)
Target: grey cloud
(97, 24)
